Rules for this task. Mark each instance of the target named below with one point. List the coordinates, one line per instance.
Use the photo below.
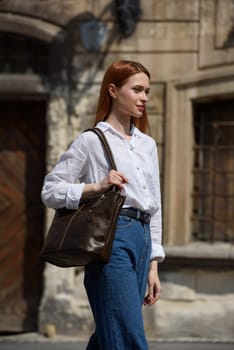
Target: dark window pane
(20, 54)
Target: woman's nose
(144, 96)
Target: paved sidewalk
(14, 345)
(35, 341)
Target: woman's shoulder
(85, 136)
(90, 137)
(83, 141)
(145, 138)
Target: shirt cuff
(73, 195)
(157, 253)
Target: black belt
(136, 214)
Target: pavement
(35, 341)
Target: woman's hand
(154, 285)
(113, 178)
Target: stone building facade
(53, 54)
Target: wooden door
(22, 168)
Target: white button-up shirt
(85, 162)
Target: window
(19, 54)
(213, 189)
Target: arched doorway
(22, 168)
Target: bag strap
(105, 144)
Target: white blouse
(85, 162)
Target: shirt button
(144, 187)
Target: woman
(116, 290)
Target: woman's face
(131, 98)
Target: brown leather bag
(85, 235)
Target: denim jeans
(116, 290)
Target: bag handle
(105, 144)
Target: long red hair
(117, 73)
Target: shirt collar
(106, 126)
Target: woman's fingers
(154, 288)
(116, 178)
(151, 297)
(113, 178)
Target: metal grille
(19, 54)
(213, 193)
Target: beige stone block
(214, 282)
(179, 277)
(231, 252)
(160, 9)
(160, 150)
(62, 12)
(212, 34)
(210, 318)
(23, 25)
(156, 36)
(57, 132)
(79, 290)
(87, 98)
(149, 321)
(86, 121)
(164, 66)
(157, 127)
(224, 21)
(171, 9)
(172, 291)
(207, 250)
(155, 102)
(58, 11)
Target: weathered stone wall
(178, 41)
(195, 303)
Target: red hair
(117, 73)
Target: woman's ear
(112, 90)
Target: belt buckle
(146, 218)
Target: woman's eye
(137, 89)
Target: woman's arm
(60, 188)
(156, 217)
(154, 285)
(113, 178)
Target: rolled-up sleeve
(60, 188)
(156, 237)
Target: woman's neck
(122, 125)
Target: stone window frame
(178, 180)
(31, 27)
(11, 84)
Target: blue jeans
(116, 290)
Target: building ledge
(22, 84)
(200, 254)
